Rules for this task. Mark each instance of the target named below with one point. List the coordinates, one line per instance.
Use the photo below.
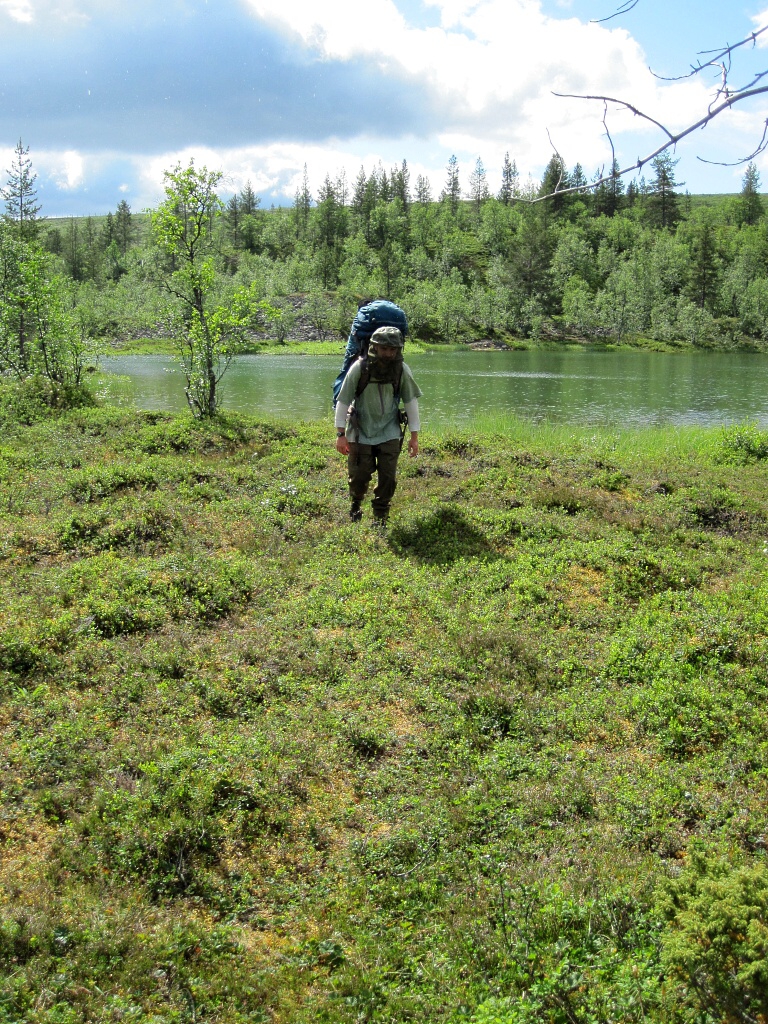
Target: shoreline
(325, 347)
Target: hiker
(370, 315)
(369, 424)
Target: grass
(332, 347)
(503, 764)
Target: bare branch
(614, 162)
(672, 138)
(724, 96)
(745, 159)
(622, 10)
(626, 106)
(562, 165)
(727, 52)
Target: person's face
(385, 352)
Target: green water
(621, 388)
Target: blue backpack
(380, 313)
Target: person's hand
(342, 445)
(413, 445)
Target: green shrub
(741, 444)
(98, 482)
(128, 524)
(715, 946)
(588, 960)
(121, 596)
(172, 822)
(34, 642)
(38, 398)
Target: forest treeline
(613, 263)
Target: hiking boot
(379, 523)
(355, 512)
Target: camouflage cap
(389, 337)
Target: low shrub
(741, 444)
(38, 398)
(715, 945)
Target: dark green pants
(365, 459)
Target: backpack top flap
(380, 313)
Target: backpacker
(380, 313)
(374, 370)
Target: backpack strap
(365, 374)
(362, 383)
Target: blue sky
(108, 93)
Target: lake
(619, 388)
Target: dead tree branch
(562, 165)
(725, 97)
(716, 61)
(622, 10)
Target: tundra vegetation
(505, 764)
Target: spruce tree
(107, 232)
(401, 184)
(249, 201)
(609, 195)
(750, 208)
(92, 251)
(232, 218)
(555, 180)
(451, 194)
(704, 266)
(510, 181)
(370, 198)
(616, 188)
(423, 190)
(327, 213)
(20, 195)
(478, 185)
(555, 177)
(662, 204)
(53, 242)
(578, 178)
(383, 184)
(73, 251)
(599, 194)
(341, 188)
(341, 191)
(124, 229)
(358, 194)
(302, 202)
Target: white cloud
(274, 171)
(494, 65)
(66, 169)
(760, 21)
(488, 72)
(339, 29)
(275, 168)
(18, 10)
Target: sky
(108, 94)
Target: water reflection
(623, 388)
